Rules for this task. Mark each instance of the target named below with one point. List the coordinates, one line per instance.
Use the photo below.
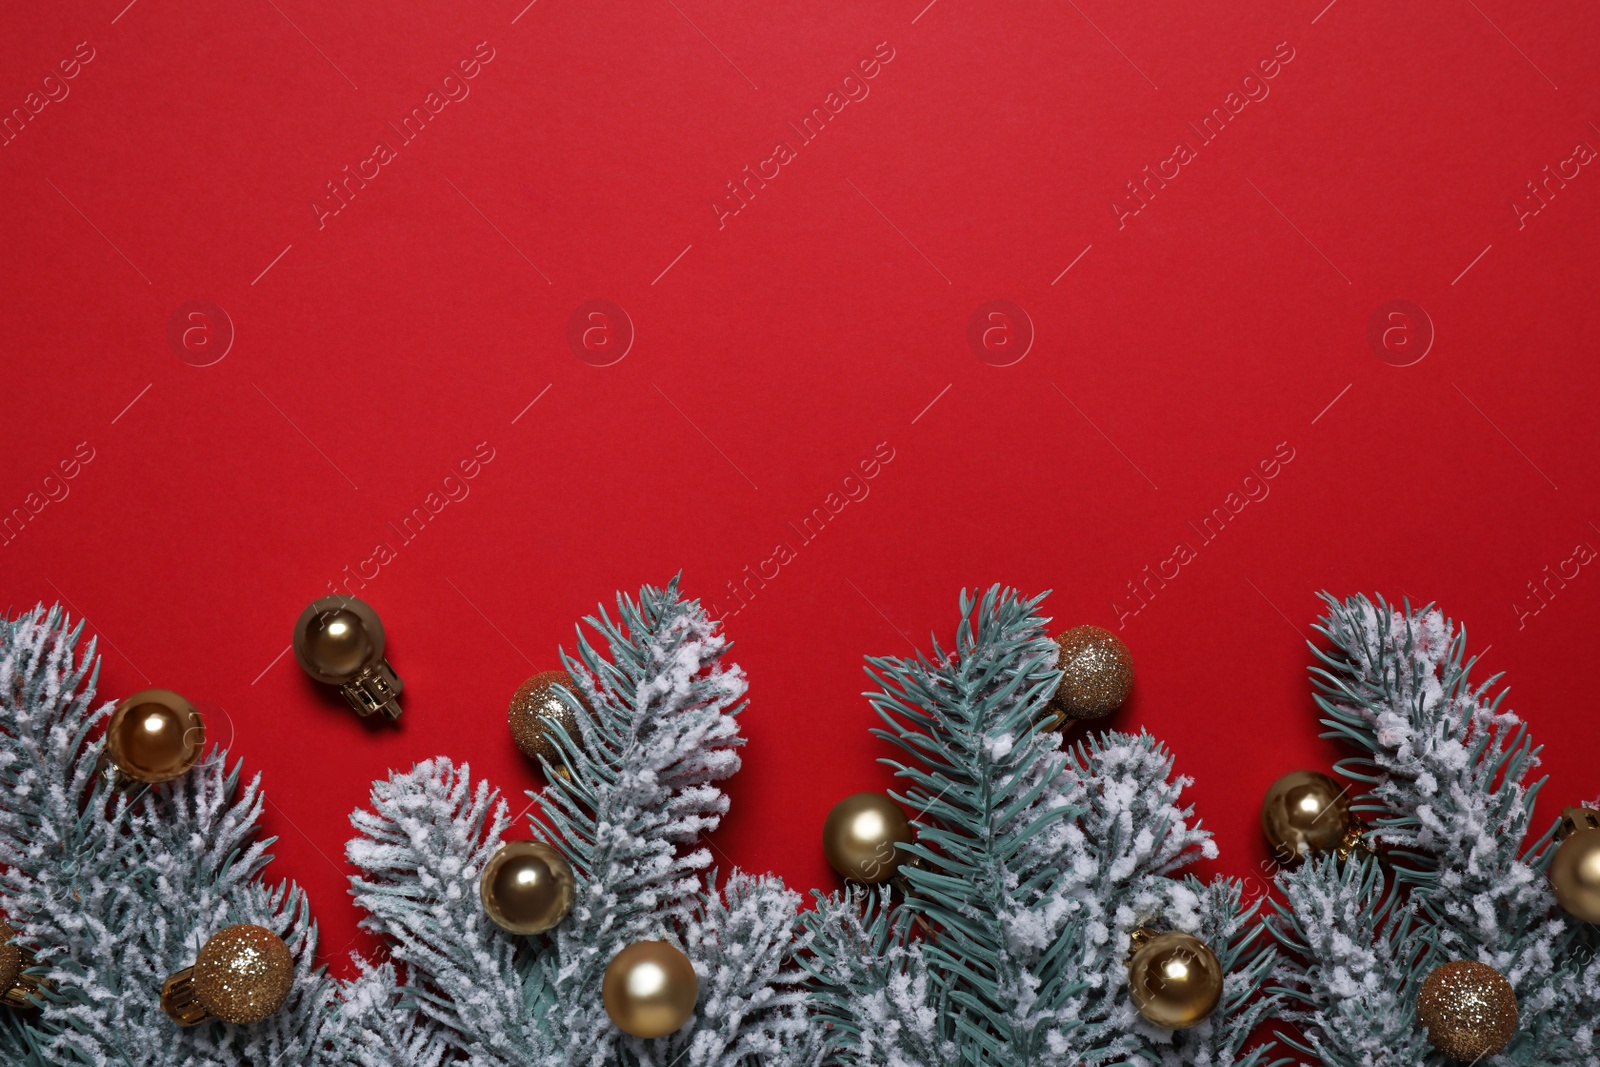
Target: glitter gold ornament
(527, 887)
(536, 710)
(1096, 675)
(1469, 1010)
(154, 736)
(860, 834)
(650, 989)
(16, 987)
(1174, 979)
(1306, 814)
(11, 964)
(1575, 871)
(338, 640)
(242, 975)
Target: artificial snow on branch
(1033, 865)
(1448, 795)
(116, 890)
(635, 793)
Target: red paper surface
(1238, 318)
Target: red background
(775, 352)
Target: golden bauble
(860, 835)
(1096, 674)
(338, 637)
(1469, 1009)
(12, 961)
(650, 989)
(1305, 814)
(527, 887)
(1575, 871)
(339, 640)
(243, 974)
(536, 709)
(1175, 979)
(155, 736)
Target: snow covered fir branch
(1450, 805)
(1032, 867)
(1017, 899)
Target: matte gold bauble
(1096, 674)
(527, 887)
(1305, 814)
(155, 736)
(1175, 979)
(1575, 871)
(860, 835)
(1469, 1009)
(339, 640)
(535, 712)
(650, 989)
(243, 975)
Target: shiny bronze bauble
(650, 989)
(1469, 1010)
(1096, 675)
(243, 974)
(1575, 870)
(1305, 814)
(155, 736)
(536, 710)
(527, 887)
(339, 640)
(336, 638)
(1175, 979)
(860, 835)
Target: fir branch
(752, 997)
(985, 776)
(421, 851)
(659, 732)
(1133, 835)
(1356, 958)
(1448, 772)
(382, 1028)
(1034, 864)
(116, 891)
(656, 733)
(873, 994)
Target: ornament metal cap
(1574, 820)
(242, 975)
(338, 640)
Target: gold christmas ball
(536, 709)
(1096, 674)
(860, 835)
(527, 887)
(155, 736)
(650, 989)
(1305, 814)
(11, 959)
(243, 974)
(336, 638)
(1469, 1010)
(1575, 875)
(1175, 979)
